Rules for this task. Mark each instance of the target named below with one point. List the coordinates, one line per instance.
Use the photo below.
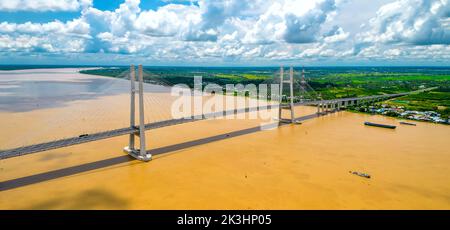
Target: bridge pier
(141, 153)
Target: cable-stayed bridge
(289, 102)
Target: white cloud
(29, 43)
(44, 5)
(49, 37)
(290, 21)
(417, 22)
(167, 21)
(75, 27)
(240, 31)
(304, 28)
(336, 34)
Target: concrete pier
(141, 153)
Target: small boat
(380, 125)
(407, 123)
(361, 174)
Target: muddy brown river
(303, 166)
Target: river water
(303, 166)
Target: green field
(436, 100)
(352, 85)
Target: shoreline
(398, 118)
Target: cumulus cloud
(166, 21)
(50, 37)
(29, 43)
(291, 21)
(44, 5)
(418, 22)
(235, 30)
(72, 28)
(304, 28)
(336, 34)
(409, 53)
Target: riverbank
(400, 112)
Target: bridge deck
(112, 133)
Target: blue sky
(225, 33)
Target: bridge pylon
(290, 104)
(141, 153)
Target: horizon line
(213, 66)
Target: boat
(380, 125)
(407, 123)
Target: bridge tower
(290, 104)
(140, 154)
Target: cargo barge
(407, 123)
(380, 125)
